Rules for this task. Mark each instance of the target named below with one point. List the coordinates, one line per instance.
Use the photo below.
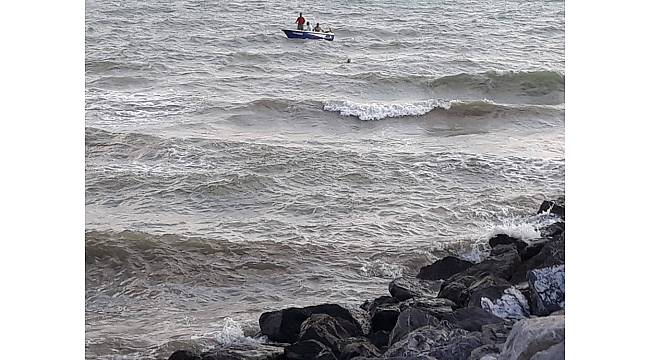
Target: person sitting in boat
(300, 21)
(308, 27)
(318, 28)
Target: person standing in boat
(308, 28)
(300, 21)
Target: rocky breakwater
(508, 306)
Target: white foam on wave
(520, 230)
(229, 333)
(381, 269)
(378, 111)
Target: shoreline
(509, 305)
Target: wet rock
(484, 352)
(355, 347)
(284, 325)
(468, 290)
(535, 338)
(551, 254)
(547, 289)
(443, 268)
(405, 288)
(410, 320)
(245, 352)
(511, 304)
(553, 230)
(472, 318)
(184, 355)
(533, 248)
(308, 350)
(439, 342)
(553, 207)
(503, 239)
(501, 263)
(383, 313)
(327, 330)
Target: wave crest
(378, 111)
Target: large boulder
(308, 350)
(551, 254)
(509, 304)
(440, 342)
(546, 289)
(503, 239)
(553, 207)
(472, 318)
(383, 313)
(536, 338)
(405, 288)
(501, 263)
(327, 330)
(443, 268)
(284, 325)
(469, 290)
(355, 347)
(410, 320)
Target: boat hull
(310, 35)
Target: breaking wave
(380, 111)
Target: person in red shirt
(300, 21)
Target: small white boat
(312, 35)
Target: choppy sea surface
(230, 170)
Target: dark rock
(552, 254)
(245, 352)
(184, 355)
(362, 317)
(354, 347)
(284, 325)
(406, 288)
(553, 230)
(379, 338)
(327, 330)
(534, 339)
(443, 268)
(455, 288)
(370, 306)
(503, 239)
(436, 306)
(485, 350)
(440, 342)
(308, 350)
(383, 313)
(554, 207)
(547, 289)
(533, 248)
(410, 320)
(469, 290)
(495, 333)
(472, 318)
